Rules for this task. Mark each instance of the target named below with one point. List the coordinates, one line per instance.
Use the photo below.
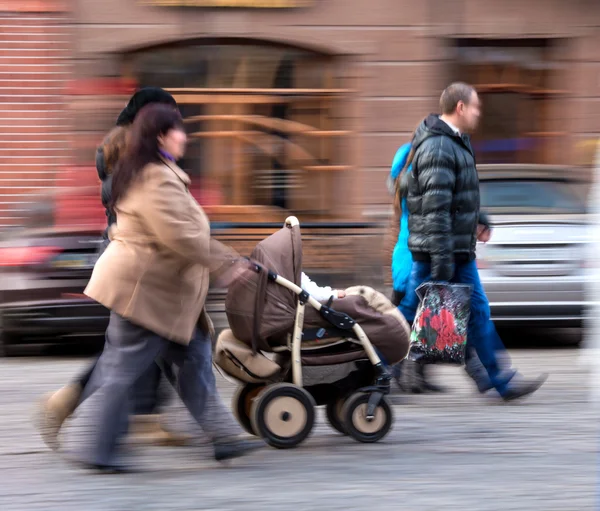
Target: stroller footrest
(323, 334)
(337, 319)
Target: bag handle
(425, 287)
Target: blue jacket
(401, 257)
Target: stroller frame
(340, 321)
(282, 410)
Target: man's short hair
(454, 93)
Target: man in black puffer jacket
(443, 199)
(445, 224)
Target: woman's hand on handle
(229, 271)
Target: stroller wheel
(242, 404)
(333, 411)
(283, 415)
(358, 426)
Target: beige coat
(155, 271)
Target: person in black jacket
(56, 407)
(445, 223)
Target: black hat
(142, 98)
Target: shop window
(519, 84)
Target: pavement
(456, 451)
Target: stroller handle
(291, 221)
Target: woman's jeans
(129, 352)
(145, 396)
(481, 333)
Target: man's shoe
(518, 389)
(106, 469)
(52, 411)
(236, 447)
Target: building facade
(301, 104)
(35, 59)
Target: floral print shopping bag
(439, 332)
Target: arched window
(263, 120)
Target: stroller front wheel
(358, 426)
(283, 415)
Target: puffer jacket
(443, 198)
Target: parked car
(43, 273)
(534, 268)
(44, 270)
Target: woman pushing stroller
(154, 278)
(147, 395)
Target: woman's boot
(423, 383)
(52, 411)
(410, 377)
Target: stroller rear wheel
(335, 418)
(358, 426)
(283, 415)
(242, 404)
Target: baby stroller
(274, 338)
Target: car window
(520, 195)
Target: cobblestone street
(457, 451)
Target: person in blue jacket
(401, 256)
(409, 375)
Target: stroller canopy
(262, 313)
(281, 253)
(259, 311)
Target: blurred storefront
(300, 105)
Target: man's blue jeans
(481, 334)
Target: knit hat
(142, 98)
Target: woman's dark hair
(401, 174)
(153, 121)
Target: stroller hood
(261, 313)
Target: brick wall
(393, 52)
(34, 66)
(94, 105)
